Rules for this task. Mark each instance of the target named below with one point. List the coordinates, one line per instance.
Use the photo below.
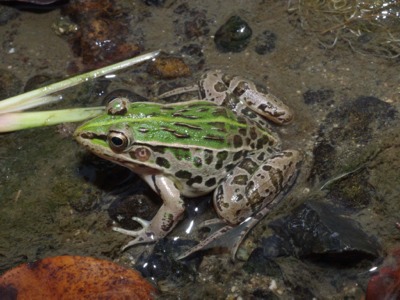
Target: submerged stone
(233, 36)
(318, 231)
(161, 263)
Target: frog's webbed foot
(141, 236)
(227, 236)
(224, 235)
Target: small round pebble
(233, 36)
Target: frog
(220, 142)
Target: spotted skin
(221, 143)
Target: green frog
(219, 142)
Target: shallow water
(50, 200)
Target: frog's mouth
(91, 140)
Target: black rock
(259, 263)
(161, 263)
(318, 231)
(233, 36)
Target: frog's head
(111, 136)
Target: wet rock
(317, 230)
(264, 293)
(386, 283)
(233, 36)
(355, 124)
(166, 67)
(261, 264)
(38, 81)
(324, 96)
(134, 202)
(9, 84)
(161, 264)
(353, 191)
(265, 42)
(74, 277)
(103, 36)
(192, 22)
(7, 14)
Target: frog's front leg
(167, 216)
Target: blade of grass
(14, 103)
(25, 120)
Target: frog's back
(193, 124)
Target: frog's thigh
(253, 184)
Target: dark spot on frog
(220, 112)
(167, 222)
(208, 156)
(237, 155)
(248, 165)
(261, 156)
(220, 87)
(253, 133)
(196, 179)
(162, 162)
(183, 174)
(229, 167)
(197, 162)
(210, 182)
(218, 126)
(237, 141)
(240, 179)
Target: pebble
(233, 36)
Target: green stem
(24, 120)
(14, 103)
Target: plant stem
(15, 103)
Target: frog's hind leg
(254, 184)
(180, 90)
(247, 201)
(264, 104)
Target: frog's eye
(117, 141)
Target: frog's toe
(213, 225)
(213, 240)
(142, 236)
(135, 233)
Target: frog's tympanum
(220, 143)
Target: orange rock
(74, 277)
(168, 67)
